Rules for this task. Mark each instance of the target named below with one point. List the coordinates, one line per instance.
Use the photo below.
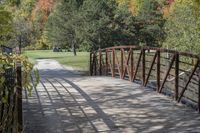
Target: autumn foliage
(45, 7)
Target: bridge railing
(167, 71)
(11, 98)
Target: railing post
(19, 96)
(199, 94)
(106, 62)
(95, 63)
(176, 75)
(91, 64)
(158, 70)
(131, 64)
(113, 62)
(143, 66)
(100, 62)
(122, 62)
(187, 83)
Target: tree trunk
(74, 47)
(74, 51)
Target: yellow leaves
(134, 5)
(184, 1)
(195, 4)
(27, 67)
(122, 1)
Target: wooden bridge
(123, 94)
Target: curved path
(66, 102)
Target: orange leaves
(167, 8)
(134, 7)
(166, 11)
(169, 2)
(45, 5)
(43, 8)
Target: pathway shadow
(137, 109)
(53, 108)
(66, 102)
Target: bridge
(130, 89)
(167, 71)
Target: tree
(62, 25)
(22, 35)
(150, 29)
(97, 24)
(5, 25)
(106, 23)
(182, 27)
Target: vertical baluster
(113, 62)
(143, 66)
(100, 62)
(158, 70)
(91, 64)
(131, 65)
(19, 97)
(176, 76)
(122, 63)
(106, 62)
(199, 94)
(95, 64)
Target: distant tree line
(93, 24)
(89, 24)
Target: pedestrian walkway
(65, 101)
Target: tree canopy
(89, 24)
(97, 24)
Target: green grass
(79, 62)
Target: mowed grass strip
(79, 62)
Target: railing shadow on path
(67, 102)
(48, 98)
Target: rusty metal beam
(113, 62)
(106, 62)
(158, 70)
(118, 67)
(151, 67)
(187, 83)
(199, 95)
(138, 63)
(100, 62)
(132, 69)
(91, 64)
(109, 62)
(122, 62)
(95, 64)
(170, 66)
(19, 97)
(153, 48)
(176, 76)
(143, 66)
(126, 67)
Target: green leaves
(5, 25)
(182, 28)
(27, 81)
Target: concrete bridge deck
(67, 102)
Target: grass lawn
(79, 62)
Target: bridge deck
(67, 102)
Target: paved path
(66, 102)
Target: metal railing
(11, 100)
(167, 71)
